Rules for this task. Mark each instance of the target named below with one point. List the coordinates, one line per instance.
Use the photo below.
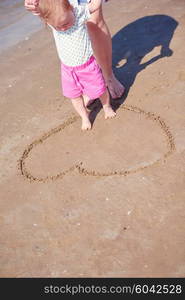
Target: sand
(108, 202)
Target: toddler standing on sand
(81, 77)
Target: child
(101, 42)
(81, 77)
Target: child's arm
(32, 5)
(94, 5)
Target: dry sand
(105, 203)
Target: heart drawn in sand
(132, 141)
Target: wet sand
(104, 203)
(16, 24)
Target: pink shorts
(86, 79)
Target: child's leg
(80, 108)
(105, 101)
(87, 100)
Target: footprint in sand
(133, 141)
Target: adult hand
(32, 6)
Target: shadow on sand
(131, 44)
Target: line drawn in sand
(79, 166)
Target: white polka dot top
(74, 45)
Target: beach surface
(108, 202)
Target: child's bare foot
(87, 100)
(86, 124)
(115, 87)
(109, 113)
